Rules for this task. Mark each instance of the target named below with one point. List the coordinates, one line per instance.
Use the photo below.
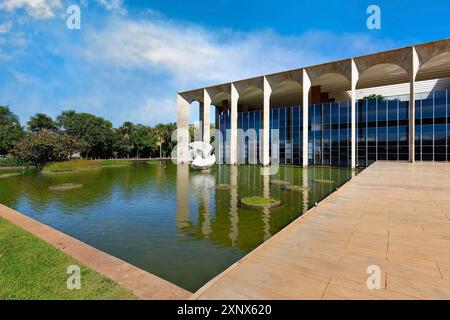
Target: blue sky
(130, 57)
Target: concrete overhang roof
(375, 69)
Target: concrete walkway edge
(141, 283)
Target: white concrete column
(233, 124)
(412, 103)
(266, 123)
(354, 81)
(199, 135)
(182, 129)
(206, 116)
(306, 84)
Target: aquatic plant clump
(260, 202)
(324, 181)
(7, 175)
(66, 186)
(224, 186)
(280, 182)
(296, 188)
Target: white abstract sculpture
(200, 155)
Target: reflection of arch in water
(202, 186)
(182, 195)
(234, 217)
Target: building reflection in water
(305, 189)
(234, 217)
(222, 220)
(182, 196)
(266, 211)
(202, 184)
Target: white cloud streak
(40, 9)
(192, 54)
(5, 27)
(115, 6)
(130, 69)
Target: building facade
(392, 105)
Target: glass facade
(382, 131)
(329, 134)
(432, 126)
(289, 123)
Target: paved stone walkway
(143, 284)
(392, 215)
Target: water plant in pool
(297, 188)
(260, 202)
(280, 182)
(167, 219)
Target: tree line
(45, 139)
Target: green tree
(42, 122)
(96, 131)
(161, 134)
(10, 129)
(40, 148)
(144, 141)
(7, 117)
(167, 143)
(121, 146)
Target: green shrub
(43, 147)
(14, 162)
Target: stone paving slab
(393, 215)
(143, 284)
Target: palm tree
(161, 133)
(126, 128)
(41, 122)
(7, 117)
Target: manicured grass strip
(80, 164)
(32, 269)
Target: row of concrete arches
(299, 86)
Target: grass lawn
(32, 269)
(81, 164)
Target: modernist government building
(392, 105)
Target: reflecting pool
(167, 219)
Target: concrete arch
(288, 76)
(380, 74)
(400, 57)
(250, 93)
(285, 86)
(342, 67)
(431, 50)
(286, 93)
(438, 65)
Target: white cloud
(192, 54)
(129, 69)
(152, 110)
(5, 27)
(115, 6)
(40, 9)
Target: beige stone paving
(143, 284)
(394, 215)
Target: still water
(166, 219)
